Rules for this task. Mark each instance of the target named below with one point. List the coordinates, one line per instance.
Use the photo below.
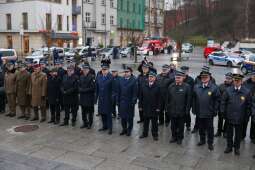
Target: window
(48, 21)
(87, 17)
(133, 7)
(103, 19)
(67, 23)
(9, 42)
(59, 21)
(103, 2)
(112, 3)
(67, 2)
(8, 21)
(88, 1)
(26, 43)
(57, 1)
(127, 6)
(121, 22)
(121, 5)
(25, 21)
(111, 20)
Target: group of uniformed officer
(165, 98)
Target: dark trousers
(55, 112)
(127, 124)
(107, 121)
(230, 134)
(141, 115)
(2, 102)
(43, 112)
(177, 127)
(70, 108)
(222, 124)
(196, 126)
(206, 127)
(154, 127)
(244, 128)
(163, 115)
(187, 120)
(87, 115)
(114, 104)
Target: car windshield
(145, 44)
(36, 53)
(252, 58)
(107, 50)
(7, 53)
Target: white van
(8, 54)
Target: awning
(64, 36)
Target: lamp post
(21, 33)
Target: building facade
(154, 17)
(130, 18)
(36, 23)
(99, 23)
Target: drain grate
(26, 128)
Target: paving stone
(15, 157)
(48, 153)
(12, 166)
(115, 165)
(80, 160)
(67, 167)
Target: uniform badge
(242, 98)
(209, 93)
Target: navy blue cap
(179, 73)
(105, 66)
(229, 75)
(152, 73)
(184, 68)
(85, 66)
(42, 62)
(146, 65)
(165, 66)
(237, 76)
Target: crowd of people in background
(165, 98)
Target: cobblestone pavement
(67, 148)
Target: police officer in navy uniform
(190, 81)
(87, 89)
(53, 95)
(206, 100)
(236, 102)
(164, 81)
(222, 123)
(69, 89)
(104, 91)
(142, 79)
(116, 81)
(250, 84)
(178, 106)
(198, 81)
(127, 97)
(150, 102)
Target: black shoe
(210, 147)
(173, 140)
(200, 143)
(56, 122)
(83, 126)
(35, 119)
(123, 133)
(179, 142)
(218, 134)
(110, 132)
(43, 120)
(194, 130)
(97, 114)
(166, 124)
(228, 150)
(12, 115)
(237, 152)
(161, 123)
(73, 124)
(21, 117)
(140, 121)
(8, 115)
(64, 124)
(188, 129)
(27, 118)
(225, 135)
(128, 134)
(155, 138)
(102, 129)
(89, 127)
(143, 136)
(52, 121)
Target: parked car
(248, 65)
(125, 52)
(227, 59)
(187, 48)
(107, 53)
(36, 57)
(209, 50)
(8, 54)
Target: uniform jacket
(178, 100)
(87, 89)
(222, 88)
(22, 87)
(116, 83)
(10, 82)
(69, 89)
(237, 104)
(164, 82)
(38, 88)
(127, 97)
(53, 89)
(141, 80)
(104, 91)
(150, 99)
(206, 100)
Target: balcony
(90, 25)
(76, 10)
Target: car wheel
(211, 62)
(244, 70)
(229, 64)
